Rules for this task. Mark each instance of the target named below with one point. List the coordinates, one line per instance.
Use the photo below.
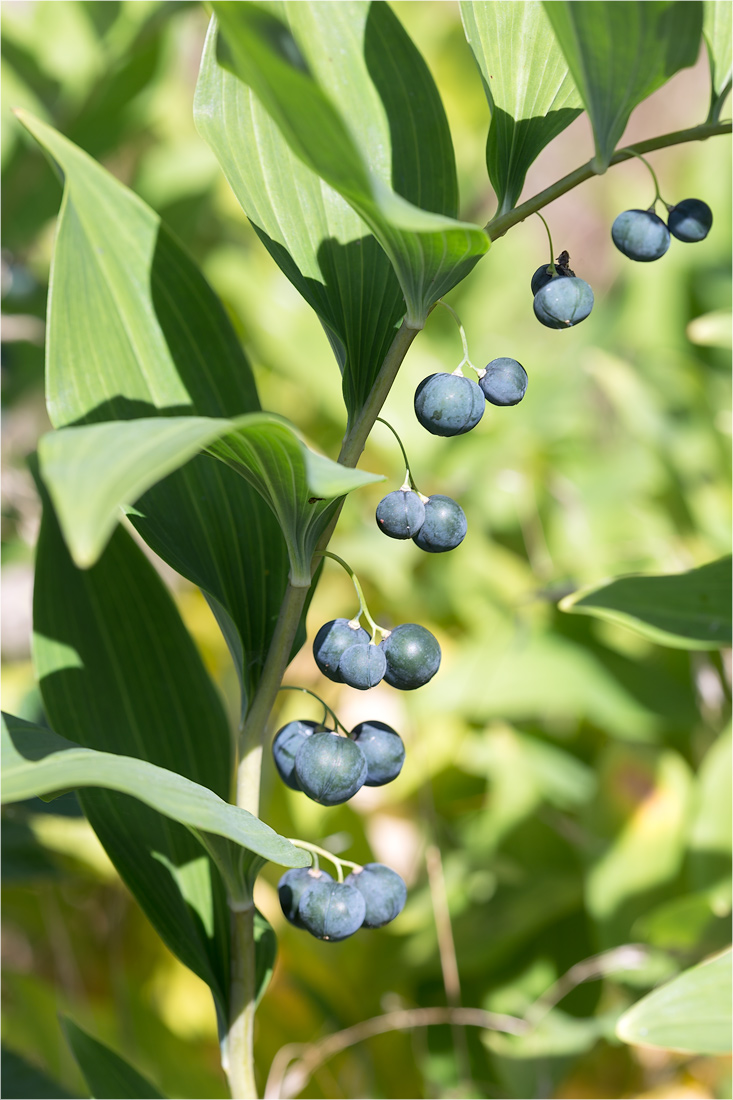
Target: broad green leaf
(717, 26)
(25, 1081)
(135, 330)
(107, 1074)
(327, 75)
(690, 1013)
(530, 91)
(684, 610)
(118, 672)
(618, 54)
(37, 762)
(93, 470)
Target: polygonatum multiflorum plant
(331, 133)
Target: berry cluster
(370, 897)
(643, 236)
(406, 658)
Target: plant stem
(409, 481)
(551, 264)
(498, 226)
(239, 1061)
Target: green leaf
(25, 1081)
(135, 330)
(557, 1035)
(37, 762)
(336, 80)
(618, 54)
(107, 1074)
(266, 946)
(685, 610)
(690, 1013)
(717, 26)
(93, 470)
(530, 91)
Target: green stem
(326, 708)
(498, 226)
(409, 482)
(647, 165)
(239, 1063)
(466, 361)
(338, 863)
(363, 609)
(552, 250)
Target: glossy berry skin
(332, 910)
(383, 890)
(690, 220)
(286, 744)
(543, 275)
(329, 768)
(413, 657)
(362, 665)
(331, 641)
(445, 525)
(293, 885)
(640, 235)
(384, 751)
(504, 383)
(448, 404)
(563, 303)
(400, 514)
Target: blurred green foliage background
(574, 777)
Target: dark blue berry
(543, 275)
(293, 885)
(332, 910)
(690, 220)
(641, 235)
(383, 890)
(448, 404)
(383, 749)
(400, 514)
(286, 744)
(563, 303)
(362, 665)
(445, 525)
(331, 641)
(504, 383)
(329, 768)
(413, 657)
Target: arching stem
(551, 264)
(409, 482)
(657, 196)
(363, 609)
(315, 851)
(327, 710)
(466, 360)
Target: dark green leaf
(24, 1081)
(265, 951)
(618, 54)
(107, 1074)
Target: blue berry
(286, 744)
(448, 404)
(641, 235)
(543, 275)
(400, 514)
(293, 885)
(690, 220)
(331, 641)
(383, 749)
(413, 657)
(383, 890)
(504, 383)
(563, 303)
(332, 910)
(445, 525)
(329, 768)
(362, 665)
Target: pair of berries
(561, 299)
(370, 897)
(451, 404)
(435, 524)
(406, 658)
(643, 236)
(329, 768)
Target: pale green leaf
(685, 610)
(107, 1074)
(37, 762)
(618, 54)
(717, 26)
(557, 1035)
(692, 1013)
(325, 74)
(530, 91)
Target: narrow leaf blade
(718, 32)
(107, 1074)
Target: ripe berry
(543, 275)
(445, 525)
(383, 749)
(293, 885)
(563, 303)
(383, 890)
(332, 910)
(640, 235)
(504, 383)
(400, 514)
(448, 404)
(286, 744)
(690, 220)
(331, 641)
(413, 657)
(329, 768)
(362, 665)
